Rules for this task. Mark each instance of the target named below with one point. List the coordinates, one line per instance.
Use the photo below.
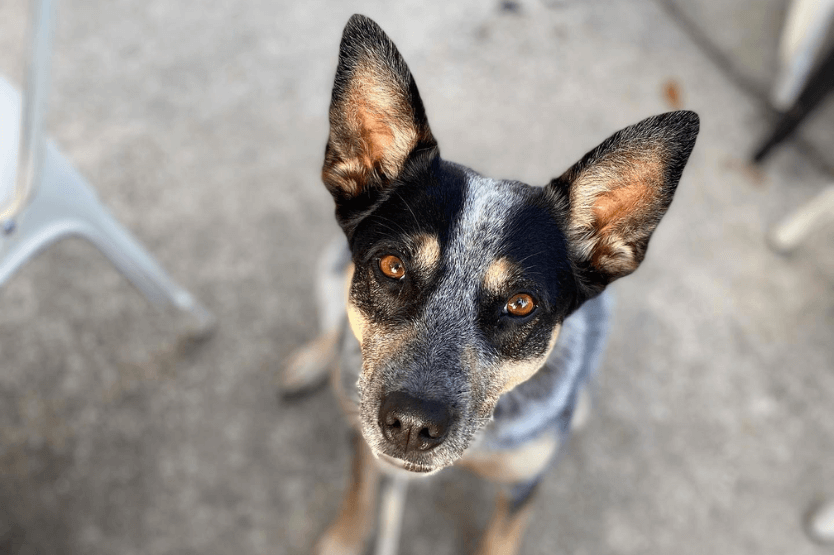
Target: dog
(464, 316)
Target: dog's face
(461, 282)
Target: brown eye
(521, 304)
(392, 266)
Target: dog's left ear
(616, 195)
(377, 120)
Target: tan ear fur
(614, 207)
(615, 196)
(369, 132)
(376, 116)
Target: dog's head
(461, 282)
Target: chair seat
(9, 139)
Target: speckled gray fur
(543, 404)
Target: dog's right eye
(520, 304)
(392, 266)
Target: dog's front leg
(390, 518)
(349, 532)
(509, 521)
(519, 472)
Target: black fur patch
(430, 201)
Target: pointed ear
(377, 119)
(616, 195)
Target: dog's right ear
(377, 120)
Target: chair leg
(65, 205)
(789, 233)
(137, 265)
(29, 235)
(818, 86)
(819, 522)
(803, 35)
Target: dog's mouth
(408, 466)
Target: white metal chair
(807, 23)
(806, 27)
(44, 199)
(797, 92)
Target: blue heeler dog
(476, 305)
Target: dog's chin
(424, 464)
(415, 464)
(406, 467)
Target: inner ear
(616, 195)
(376, 116)
(615, 208)
(628, 193)
(375, 130)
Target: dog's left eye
(520, 304)
(392, 266)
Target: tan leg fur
(347, 535)
(506, 528)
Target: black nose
(413, 424)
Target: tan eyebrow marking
(498, 274)
(427, 255)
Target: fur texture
(441, 366)
(442, 332)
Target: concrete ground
(202, 125)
